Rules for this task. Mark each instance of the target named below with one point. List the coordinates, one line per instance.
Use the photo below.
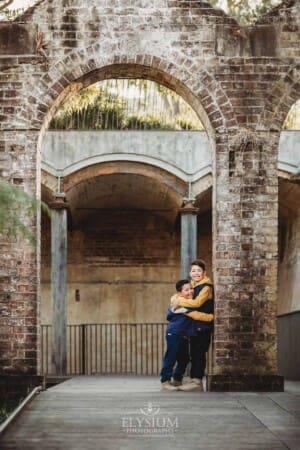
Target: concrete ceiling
(204, 201)
(127, 192)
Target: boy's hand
(175, 304)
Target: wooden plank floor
(119, 412)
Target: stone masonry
(241, 82)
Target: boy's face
(187, 291)
(197, 273)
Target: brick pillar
(245, 263)
(59, 285)
(19, 274)
(188, 236)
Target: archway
(129, 196)
(219, 66)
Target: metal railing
(109, 348)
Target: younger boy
(179, 329)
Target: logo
(150, 421)
(150, 410)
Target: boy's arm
(197, 315)
(170, 314)
(175, 299)
(204, 295)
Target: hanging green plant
(17, 209)
(120, 104)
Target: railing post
(83, 348)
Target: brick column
(19, 272)
(188, 236)
(245, 263)
(59, 284)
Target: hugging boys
(192, 328)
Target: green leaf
(17, 210)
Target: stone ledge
(244, 383)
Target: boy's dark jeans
(199, 346)
(177, 351)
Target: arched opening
(124, 186)
(289, 246)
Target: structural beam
(188, 236)
(59, 285)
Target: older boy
(199, 343)
(179, 329)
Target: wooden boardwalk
(119, 412)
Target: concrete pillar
(188, 236)
(59, 285)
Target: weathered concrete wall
(231, 78)
(289, 345)
(289, 151)
(183, 153)
(125, 269)
(186, 154)
(289, 279)
(289, 248)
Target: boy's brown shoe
(167, 386)
(194, 385)
(176, 383)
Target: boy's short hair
(200, 263)
(180, 284)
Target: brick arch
(282, 97)
(80, 68)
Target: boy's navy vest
(207, 307)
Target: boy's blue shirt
(180, 324)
